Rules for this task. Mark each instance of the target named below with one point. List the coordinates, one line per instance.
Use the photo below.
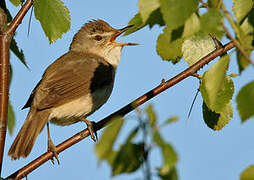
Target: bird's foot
(91, 129)
(52, 148)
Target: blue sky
(203, 153)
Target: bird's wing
(72, 80)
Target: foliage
(185, 36)
(248, 174)
(136, 150)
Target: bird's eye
(98, 38)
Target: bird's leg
(90, 127)
(52, 147)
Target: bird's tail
(24, 141)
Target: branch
(6, 34)
(121, 112)
(237, 45)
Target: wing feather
(66, 80)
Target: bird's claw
(93, 133)
(52, 148)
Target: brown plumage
(74, 86)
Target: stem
(237, 45)
(123, 111)
(6, 35)
(4, 81)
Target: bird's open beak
(118, 33)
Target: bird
(73, 86)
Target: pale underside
(71, 112)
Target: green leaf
(241, 8)
(132, 134)
(146, 7)
(247, 29)
(217, 121)
(171, 175)
(53, 16)
(18, 52)
(214, 3)
(211, 23)
(170, 120)
(168, 47)
(128, 159)
(242, 62)
(103, 148)
(233, 75)
(10, 74)
(247, 40)
(248, 174)
(168, 152)
(192, 26)
(137, 22)
(111, 158)
(151, 115)
(245, 101)
(16, 2)
(175, 12)
(215, 88)
(196, 47)
(11, 118)
(154, 18)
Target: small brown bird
(74, 86)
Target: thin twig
(6, 35)
(192, 104)
(4, 85)
(237, 45)
(121, 112)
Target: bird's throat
(112, 54)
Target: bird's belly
(71, 112)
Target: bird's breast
(70, 112)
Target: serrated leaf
(18, 52)
(53, 16)
(196, 47)
(104, 146)
(175, 12)
(248, 174)
(191, 26)
(146, 7)
(215, 88)
(217, 101)
(241, 8)
(11, 119)
(211, 23)
(151, 115)
(171, 175)
(128, 159)
(15, 2)
(167, 48)
(168, 153)
(217, 121)
(245, 101)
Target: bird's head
(99, 37)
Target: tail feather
(24, 141)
